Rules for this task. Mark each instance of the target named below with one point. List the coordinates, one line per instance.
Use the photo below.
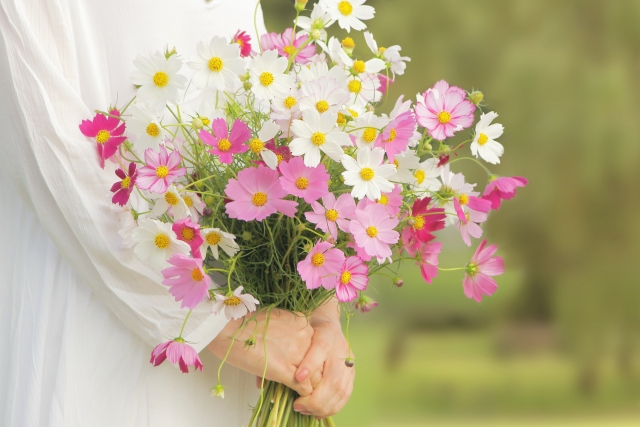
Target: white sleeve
(55, 170)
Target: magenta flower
(392, 200)
(395, 137)
(429, 260)
(444, 110)
(123, 188)
(477, 280)
(224, 143)
(189, 233)
(256, 194)
(385, 82)
(373, 230)
(424, 221)
(503, 188)
(244, 40)
(321, 266)
(468, 222)
(303, 181)
(161, 170)
(187, 280)
(354, 277)
(179, 353)
(107, 133)
(282, 42)
(334, 213)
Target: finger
(315, 379)
(303, 388)
(321, 346)
(259, 382)
(328, 393)
(344, 401)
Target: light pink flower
(235, 305)
(160, 171)
(189, 233)
(385, 82)
(282, 42)
(334, 213)
(429, 260)
(123, 188)
(303, 181)
(468, 220)
(503, 188)
(107, 133)
(424, 221)
(244, 40)
(392, 200)
(321, 266)
(444, 110)
(187, 280)
(256, 194)
(395, 137)
(477, 280)
(179, 353)
(224, 143)
(354, 277)
(373, 230)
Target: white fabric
(79, 315)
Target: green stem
(185, 323)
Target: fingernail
(302, 375)
(299, 408)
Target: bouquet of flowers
(282, 175)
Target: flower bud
(307, 247)
(398, 282)
(197, 123)
(168, 53)
(365, 304)
(301, 227)
(316, 34)
(300, 5)
(246, 235)
(247, 85)
(428, 146)
(218, 391)
(349, 363)
(207, 212)
(209, 199)
(250, 343)
(348, 45)
(476, 97)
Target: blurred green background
(558, 344)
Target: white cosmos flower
(158, 79)
(194, 204)
(215, 238)
(217, 65)
(323, 95)
(170, 199)
(364, 89)
(268, 131)
(146, 126)
(368, 127)
(234, 305)
(156, 243)
(315, 134)
(348, 13)
(374, 65)
(484, 143)
(285, 108)
(454, 185)
(396, 62)
(368, 176)
(405, 163)
(267, 75)
(426, 178)
(315, 24)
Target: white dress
(78, 315)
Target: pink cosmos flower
(392, 200)
(425, 221)
(235, 305)
(385, 82)
(282, 42)
(334, 213)
(123, 188)
(429, 260)
(161, 170)
(244, 40)
(303, 181)
(477, 280)
(321, 266)
(444, 110)
(189, 233)
(503, 188)
(179, 353)
(468, 222)
(224, 143)
(256, 194)
(187, 280)
(395, 137)
(373, 230)
(107, 133)
(354, 277)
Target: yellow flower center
(369, 134)
(290, 102)
(318, 138)
(348, 41)
(345, 277)
(322, 106)
(280, 157)
(381, 49)
(162, 171)
(256, 146)
(205, 121)
(170, 198)
(234, 300)
(397, 165)
(419, 176)
(224, 145)
(162, 241)
(345, 8)
(482, 139)
(153, 130)
(353, 113)
(355, 86)
(331, 215)
(187, 201)
(384, 200)
(197, 275)
(392, 135)
(302, 183)
(341, 119)
(213, 238)
(103, 136)
(160, 79)
(266, 78)
(463, 199)
(367, 174)
(215, 64)
(125, 182)
(289, 50)
(240, 42)
(187, 234)
(418, 222)
(372, 231)
(317, 260)
(359, 66)
(259, 199)
(444, 117)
